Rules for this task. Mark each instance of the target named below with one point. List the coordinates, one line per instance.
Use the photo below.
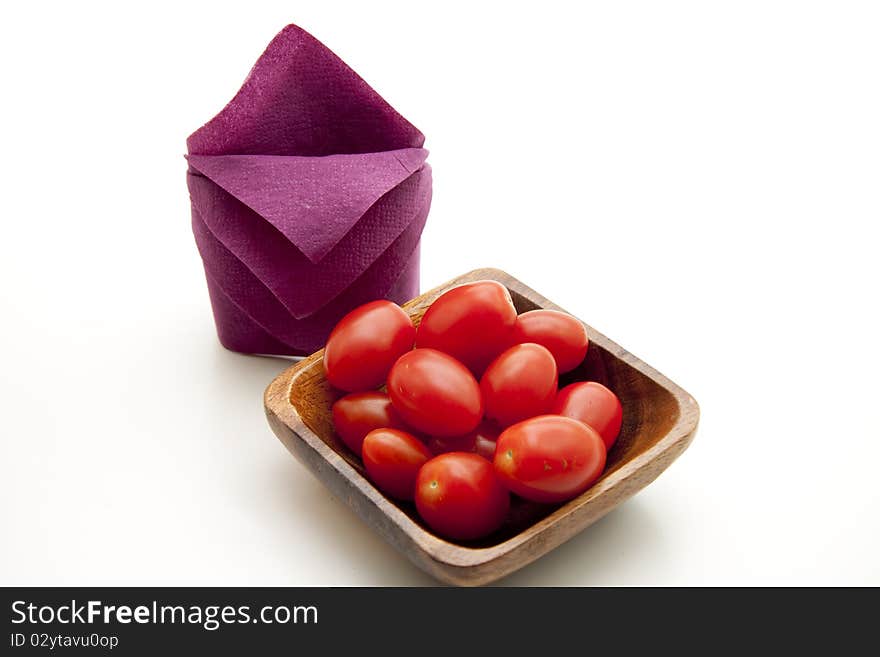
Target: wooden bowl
(659, 422)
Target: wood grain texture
(659, 422)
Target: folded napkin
(309, 195)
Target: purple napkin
(309, 195)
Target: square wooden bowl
(659, 422)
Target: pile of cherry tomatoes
(473, 413)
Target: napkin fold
(309, 194)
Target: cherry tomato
(562, 334)
(593, 404)
(392, 458)
(459, 496)
(435, 394)
(364, 345)
(519, 384)
(549, 458)
(480, 441)
(358, 413)
(472, 323)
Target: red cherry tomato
(480, 441)
(434, 393)
(364, 345)
(562, 334)
(459, 496)
(358, 413)
(593, 404)
(549, 458)
(393, 458)
(472, 323)
(519, 384)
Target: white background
(698, 181)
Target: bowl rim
(454, 554)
